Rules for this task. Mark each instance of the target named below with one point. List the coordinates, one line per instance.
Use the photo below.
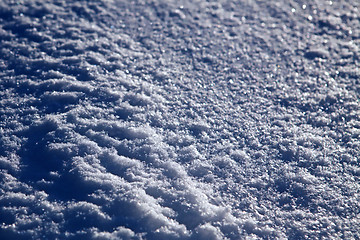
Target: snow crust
(179, 119)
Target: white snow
(179, 120)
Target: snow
(179, 119)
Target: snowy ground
(179, 119)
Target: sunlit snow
(179, 119)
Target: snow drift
(179, 119)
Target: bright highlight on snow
(179, 119)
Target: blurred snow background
(179, 119)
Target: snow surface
(181, 119)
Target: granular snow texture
(145, 119)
